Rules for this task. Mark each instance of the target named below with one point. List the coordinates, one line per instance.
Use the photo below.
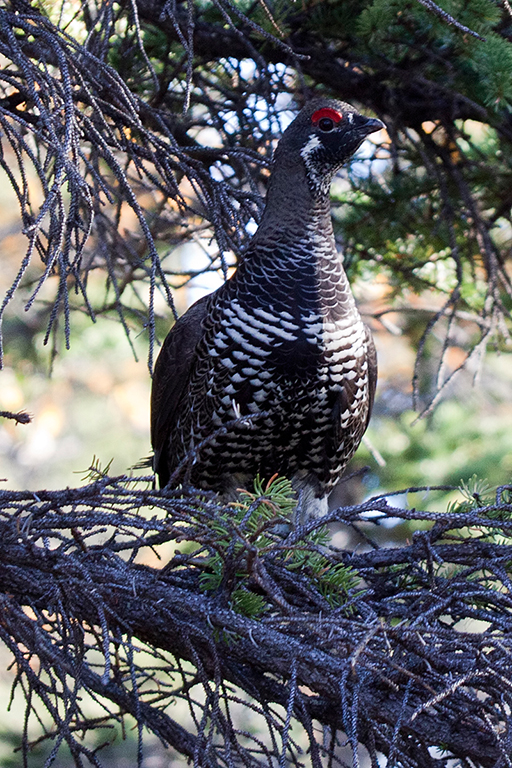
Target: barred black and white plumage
(281, 342)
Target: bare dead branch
(72, 561)
(20, 418)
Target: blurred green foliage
(466, 435)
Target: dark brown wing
(347, 394)
(170, 379)
(371, 357)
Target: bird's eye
(326, 119)
(326, 124)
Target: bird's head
(323, 136)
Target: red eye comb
(326, 112)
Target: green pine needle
(249, 524)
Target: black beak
(367, 125)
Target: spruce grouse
(281, 343)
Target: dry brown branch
(20, 418)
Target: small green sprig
(95, 471)
(475, 489)
(333, 581)
(243, 525)
(252, 524)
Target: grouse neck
(294, 212)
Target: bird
(275, 371)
